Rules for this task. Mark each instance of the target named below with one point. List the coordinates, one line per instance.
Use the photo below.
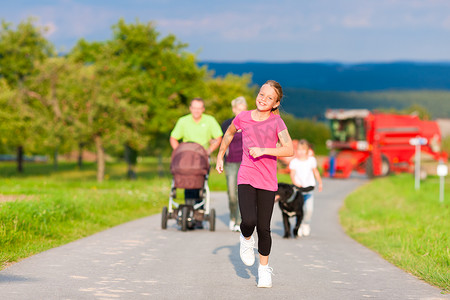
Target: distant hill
(344, 77)
(311, 88)
(305, 103)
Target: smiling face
(197, 108)
(267, 99)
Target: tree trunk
(131, 159)
(160, 166)
(20, 159)
(80, 155)
(55, 159)
(100, 158)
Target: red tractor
(377, 143)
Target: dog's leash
(296, 190)
(294, 194)
(289, 200)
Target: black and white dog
(290, 200)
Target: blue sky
(247, 30)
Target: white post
(418, 142)
(417, 166)
(442, 171)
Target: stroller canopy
(189, 165)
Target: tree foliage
(126, 91)
(222, 90)
(314, 132)
(20, 49)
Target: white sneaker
(265, 276)
(306, 230)
(246, 250)
(231, 226)
(237, 228)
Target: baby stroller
(190, 168)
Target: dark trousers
(256, 206)
(192, 194)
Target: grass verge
(42, 209)
(409, 228)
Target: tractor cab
(348, 129)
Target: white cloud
(239, 26)
(290, 26)
(226, 25)
(446, 23)
(73, 19)
(356, 22)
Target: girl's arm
(318, 178)
(286, 149)
(292, 173)
(227, 138)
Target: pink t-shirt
(259, 172)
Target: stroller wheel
(164, 218)
(184, 218)
(212, 220)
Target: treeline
(311, 88)
(118, 97)
(333, 76)
(316, 133)
(304, 103)
(123, 93)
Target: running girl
(264, 138)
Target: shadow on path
(241, 270)
(13, 278)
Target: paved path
(138, 260)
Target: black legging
(256, 207)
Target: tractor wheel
(164, 218)
(385, 167)
(369, 168)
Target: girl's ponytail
(277, 87)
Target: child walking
(303, 171)
(264, 138)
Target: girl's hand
(320, 187)
(219, 165)
(256, 152)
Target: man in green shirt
(199, 128)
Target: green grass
(50, 208)
(407, 227)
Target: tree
(9, 123)
(20, 49)
(97, 112)
(147, 71)
(222, 90)
(414, 109)
(418, 110)
(316, 133)
(127, 91)
(48, 87)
